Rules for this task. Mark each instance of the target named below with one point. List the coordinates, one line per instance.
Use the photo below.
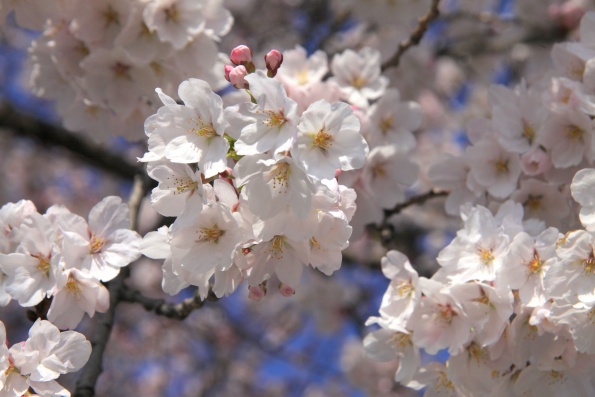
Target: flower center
(378, 170)
(501, 166)
(485, 256)
(276, 247)
(184, 185)
(535, 264)
(276, 119)
(315, 244)
(589, 264)
(121, 71)
(386, 124)
(574, 133)
(533, 202)
(211, 234)
(302, 77)
(358, 82)
(323, 140)
(400, 340)
(279, 175)
(404, 288)
(172, 14)
(96, 244)
(446, 312)
(73, 287)
(43, 264)
(528, 132)
(204, 129)
(111, 17)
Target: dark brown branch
(491, 43)
(415, 37)
(178, 311)
(48, 134)
(85, 385)
(422, 198)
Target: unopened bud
(256, 292)
(286, 290)
(236, 77)
(273, 60)
(241, 55)
(227, 69)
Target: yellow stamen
(73, 287)
(121, 71)
(485, 256)
(203, 129)
(535, 264)
(574, 133)
(528, 132)
(358, 82)
(533, 202)
(276, 119)
(172, 14)
(501, 166)
(111, 16)
(211, 234)
(400, 340)
(386, 124)
(43, 264)
(302, 77)
(96, 244)
(323, 140)
(279, 175)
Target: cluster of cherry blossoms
(100, 61)
(37, 362)
(534, 141)
(258, 187)
(513, 300)
(61, 256)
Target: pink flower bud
(535, 162)
(256, 293)
(273, 60)
(236, 77)
(568, 14)
(227, 69)
(286, 290)
(241, 55)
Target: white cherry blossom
(329, 139)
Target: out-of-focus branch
(85, 386)
(491, 43)
(386, 232)
(178, 311)
(48, 134)
(420, 199)
(415, 37)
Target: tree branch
(48, 134)
(178, 311)
(415, 37)
(422, 198)
(85, 385)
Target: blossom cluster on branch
(513, 298)
(62, 257)
(100, 61)
(264, 175)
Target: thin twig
(418, 33)
(178, 311)
(48, 134)
(422, 198)
(85, 385)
